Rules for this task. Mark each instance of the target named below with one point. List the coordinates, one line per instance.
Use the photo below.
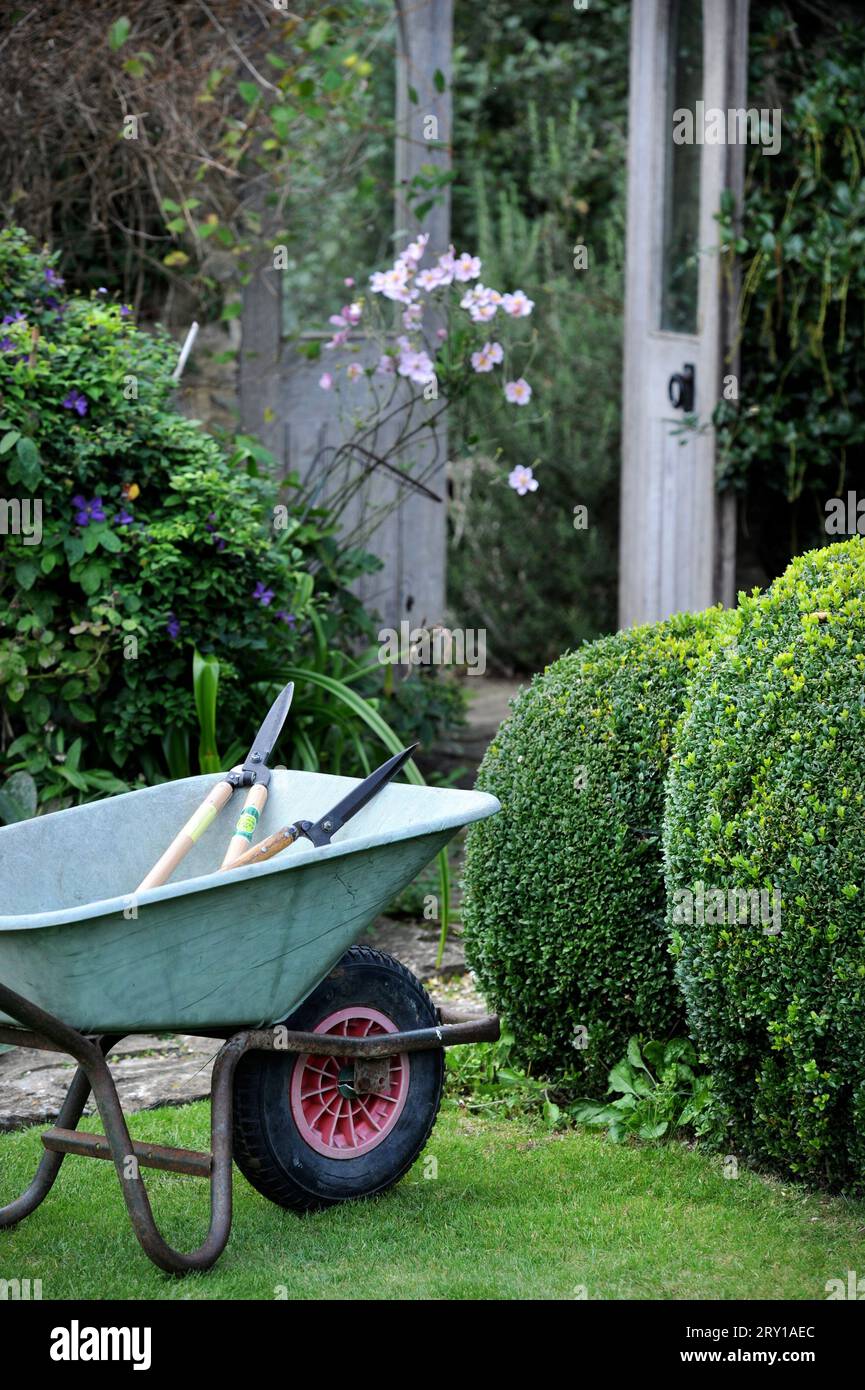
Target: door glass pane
(680, 270)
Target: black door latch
(680, 388)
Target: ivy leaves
(793, 438)
(24, 467)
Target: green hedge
(564, 909)
(767, 791)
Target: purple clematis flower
(76, 401)
(218, 540)
(6, 345)
(17, 317)
(52, 277)
(123, 518)
(125, 310)
(263, 594)
(85, 511)
(172, 627)
(285, 617)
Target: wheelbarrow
(328, 1082)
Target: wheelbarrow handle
(192, 831)
(274, 844)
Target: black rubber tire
(268, 1148)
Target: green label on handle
(247, 821)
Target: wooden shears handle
(279, 840)
(240, 841)
(192, 831)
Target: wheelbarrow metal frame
(43, 1031)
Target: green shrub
(482, 1078)
(767, 792)
(660, 1093)
(564, 910)
(155, 542)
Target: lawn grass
(513, 1213)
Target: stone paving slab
(416, 946)
(149, 1072)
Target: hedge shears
(323, 831)
(252, 775)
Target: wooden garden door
(677, 544)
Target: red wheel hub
(331, 1116)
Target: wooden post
(424, 43)
(424, 71)
(259, 363)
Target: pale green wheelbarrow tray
(329, 1081)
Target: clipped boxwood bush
(564, 910)
(767, 792)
